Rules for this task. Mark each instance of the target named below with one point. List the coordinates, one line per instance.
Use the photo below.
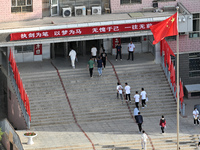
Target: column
(157, 54)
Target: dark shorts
(94, 56)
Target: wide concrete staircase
(47, 100)
(94, 99)
(151, 77)
(186, 142)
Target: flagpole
(177, 80)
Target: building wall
(117, 8)
(15, 115)
(186, 44)
(7, 16)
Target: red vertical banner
(28, 107)
(116, 41)
(181, 93)
(38, 49)
(10, 56)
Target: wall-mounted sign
(38, 49)
(81, 31)
(116, 41)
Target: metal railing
(21, 103)
(167, 74)
(7, 127)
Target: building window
(165, 0)
(133, 39)
(24, 49)
(130, 1)
(21, 6)
(194, 65)
(196, 26)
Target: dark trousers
(128, 96)
(120, 54)
(91, 72)
(162, 129)
(132, 54)
(196, 121)
(120, 96)
(140, 127)
(137, 104)
(143, 102)
(104, 62)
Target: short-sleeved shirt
(103, 55)
(91, 63)
(195, 113)
(99, 63)
(137, 97)
(143, 94)
(144, 137)
(72, 54)
(118, 47)
(119, 88)
(94, 51)
(131, 47)
(128, 88)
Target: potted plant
(30, 136)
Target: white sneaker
(116, 59)
(121, 59)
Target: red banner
(81, 31)
(116, 41)
(38, 49)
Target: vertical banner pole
(177, 46)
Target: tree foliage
(1, 133)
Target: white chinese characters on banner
(38, 49)
(105, 29)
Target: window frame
(23, 49)
(193, 56)
(20, 7)
(140, 2)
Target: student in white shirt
(94, 53)
(119, 91)
(144, 138)
(143, 95)
(137, 99)
(128, 92)
(72, 55)
(196, 116)
(131, 49)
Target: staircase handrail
(172, 87)
(21, 103)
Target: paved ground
(62, 136)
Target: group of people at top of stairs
(102, 57)
(131, 49)
(100, 60)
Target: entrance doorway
(90, 44)
(59, 50)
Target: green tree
(1, 133)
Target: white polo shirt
(137, 97)
(143, 94)
(94, 51)
(131, 47)
(72, 54)
(128, 88)
(119, 88)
